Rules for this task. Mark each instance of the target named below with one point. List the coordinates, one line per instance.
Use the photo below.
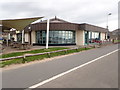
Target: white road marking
(66, 72)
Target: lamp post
(107, 19)
(107, 25)
(47, 35)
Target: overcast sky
(77, 11)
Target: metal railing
(48, 53)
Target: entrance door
(86, 37)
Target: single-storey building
(62, 32)
(115, 34)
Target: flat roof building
(62, 32)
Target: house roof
(89, 27)
(60, 24)
(55, 24)
(116, 31)
(55, 20)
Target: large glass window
(90, 36)
(95, 35)
(56, 37)
(19, 37)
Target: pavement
(30, 75)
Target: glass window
(19, 37)
(56, 37)
(95, 35)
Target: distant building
(62, 33)
(115, 34)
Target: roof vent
(55, 17)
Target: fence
(48, 53)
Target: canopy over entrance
(18, 24)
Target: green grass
(40, 57)
(32, 52)
(115, 41)
(57, 54)
(21, 60)
(13, 61)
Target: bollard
(93, 46)
(113, 41)
(48, 55)
(24, 59)
(65, 51)
(77, 49)
(100, 44)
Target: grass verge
(116, 41)
(39, 57)
(32, 52)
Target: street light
(107, 19)
(108, 36)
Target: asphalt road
(27, 76)
(99, 74)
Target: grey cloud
(89, 11)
